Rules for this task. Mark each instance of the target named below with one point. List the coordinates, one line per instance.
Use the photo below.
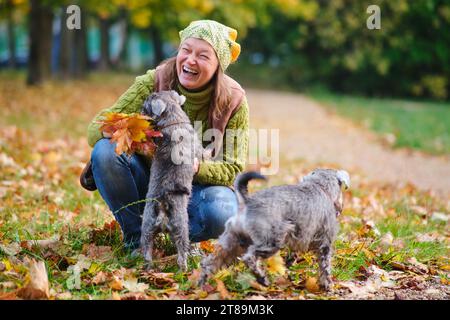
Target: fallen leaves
(224, 294)
(160, 280)
(131, 132)
(44, 214)
(311, 285)
(98, 253)
(36, 285)
(275, 264)
(11, 249)
(42, 244)
(132, 285)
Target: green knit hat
(219, 36)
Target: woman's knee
(103, 156)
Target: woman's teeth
(186, 69)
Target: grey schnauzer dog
(301, 217)
(171, 175)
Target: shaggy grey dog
(171, 174)
(301, 216)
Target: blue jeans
(122, 180)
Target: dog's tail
(241, 182)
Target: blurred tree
(73, 55)
(11, 11)
(11, 37)
(327, 42)
(40, 37)
(163, 19)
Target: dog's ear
(180, 99)
(343, 178)
(158, 107)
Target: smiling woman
(212, 98)
(196, 63)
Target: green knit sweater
(196, 107)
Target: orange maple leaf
(131, 132)
(207, 246)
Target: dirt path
(310, 132)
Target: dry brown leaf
(311, 285)
(42, 244)
(160, 279)
(224, 294)
(134, 296)
(100, 278)
(11, 249)
(64, 296)
(194, 276)
(116, 284)
(9, 295)
(387, 239)
(133, 285)
(100, 253)
(36, 286)
(256, 297)
(416, 266)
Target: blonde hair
(221, 96)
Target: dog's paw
(148, 266)
(263, 281)
(326, 285)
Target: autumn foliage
(131, 132)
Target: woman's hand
(196, 165)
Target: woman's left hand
(196, 165)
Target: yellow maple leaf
(275, 264)
(131, 132)
(137, 127)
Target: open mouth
(189, 71)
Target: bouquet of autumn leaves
(131, 132)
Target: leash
(172, 124)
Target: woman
(197, 72)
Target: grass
(40, 198)
(413, 124)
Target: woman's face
(196, 63)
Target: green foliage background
(328, 43)
(299, 43)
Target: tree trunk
(157, 45)
(40, 34)
(66, 49)
(80, 46)
(105, 62)
(11, 39)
